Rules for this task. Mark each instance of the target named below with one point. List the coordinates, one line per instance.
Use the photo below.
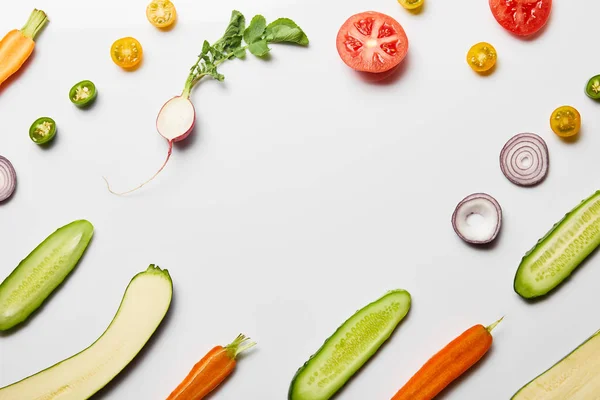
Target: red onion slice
(490, 216)
(8, 179)
(524, 159)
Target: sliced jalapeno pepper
(83, 93)
(42, 130)
(592, 89)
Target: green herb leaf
(240, 53)
(284, 30)
(260, 48)
(255, 30)
(237, 25)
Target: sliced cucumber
(557, 254)
(346, 351)
(144, 305)
(36, 277)
(575, 377)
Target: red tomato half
(521, 17)
(372, 42)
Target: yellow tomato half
(411, 4)
(126, 52)
(482, 57)
(161, 13)
(565, 121)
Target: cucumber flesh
(144, 305)
(575, 377)
(36, 277)
(347, 350)
(560, 252)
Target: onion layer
(490, 215)
(524, 159)
(8, 179)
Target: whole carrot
(448, 364)
(209, 372)
(17, 45)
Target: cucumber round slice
(557, 254)
(36, 277)
(349, 348)
(144, 305)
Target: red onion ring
(486, 207)
(524, 159)
(8, 179)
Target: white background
(304, 193)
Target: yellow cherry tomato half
(482, 57)
(411, 4)
(161, 13)
(565, 121)
(126, 52)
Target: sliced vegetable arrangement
(177, 117)
(144, 305)
(211, 371)
(8, 179)
(487, 209)
(560, 251)
(17, 45)
(349, 348)
(575, 377)
(40, 273)
(448, 364)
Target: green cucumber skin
(594, 336)
(292, 393)
(152, 269)
(524, 285)
(16, 307)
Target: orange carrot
(17, 45)
(209, 372)
(448, 364)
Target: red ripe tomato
(372, 42)
(521, 17)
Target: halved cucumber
(346, 351)
(144, 305)
(42, 271)
(557, 254)
(575, 377)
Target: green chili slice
(592, 88)
(42, 130)
(83, 93)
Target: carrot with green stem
(211, 370)
(448, 364)
(17, 45)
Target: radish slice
(8, 179)
(175, 122)
(477, 219)
(524, 159)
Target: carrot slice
(17, 45)
(210, 371)
(448, 364)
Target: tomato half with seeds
(126, 52)
(372, 42)
(565, 121)
(161, 13)
(521, 17)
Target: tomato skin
(126, 52)
(565, 121)
(482, 57)
(372, 42)
(521, 17)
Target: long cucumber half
(36, 277)
(144, 305)
(560, 251)
(349, 348)
(575, 377)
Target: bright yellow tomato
(482, 57)
(161, 13)
(411, 4)
(565, 121)
(126, 52)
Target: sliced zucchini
(575, 377)
(144, 305)
(349, 348)
(560, 251)
(36, 277)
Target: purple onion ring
(490, 213)
(524, 159)
(8, 179)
